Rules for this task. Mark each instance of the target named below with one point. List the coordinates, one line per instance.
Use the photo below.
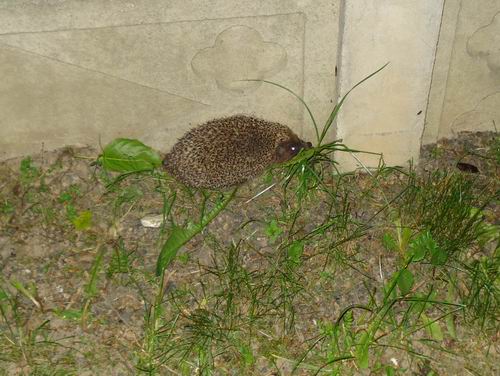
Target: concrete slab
(51, 104)
(386, 114)
(471, 92)
(151, 69)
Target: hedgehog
(228, 151)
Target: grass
(308, 300)
(391, 272)
(434, 222)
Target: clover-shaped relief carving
(485, 43)
(239, 53)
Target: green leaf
(419, 245)
(425, 244)
(390, 371)
(488, 233)
(404, 238)
(273, 230)
(7, 208)
(28, 171)
(438, 256)
(3, 294)
(405, 281)
(389, 242)
(295, 251)
(362, 350)
(177, 238)
(128, 155)
(180, 236)
(69, 314)
(83, 221)
(65, 197)
(247, 355)
(90, 288)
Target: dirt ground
(66, 313)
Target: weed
(19, 342)
(28, 172)
(302, 295)
(444, 204)
(481, 292)
(6, 207)
(121, 261)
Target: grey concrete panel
(165, 65)
(386, 114)
(55, 104)
(471, 91)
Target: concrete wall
(465, 93)
(84, 72)
(387, 113)
(76, 72)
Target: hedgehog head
(289, 148)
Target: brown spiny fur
(228, 151)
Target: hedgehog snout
(288, 150)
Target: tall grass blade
(180, 236)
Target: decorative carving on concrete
(239, 53)
(485, 44)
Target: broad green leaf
(177, 238)
(128, 155)
(389, 242)
(295, 251)
(180, 236)
(405, 281)
(424, 244)
(438, 256)
(419, 246)
(83, 221)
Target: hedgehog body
(228, 151)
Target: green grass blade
(91, 287)
(299, 98)
(180, 236)
(337, 107)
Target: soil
(57, 216)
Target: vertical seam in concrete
(448, 72)
(450, 59)
(432, 73)
(340, 44)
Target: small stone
(152, 220)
